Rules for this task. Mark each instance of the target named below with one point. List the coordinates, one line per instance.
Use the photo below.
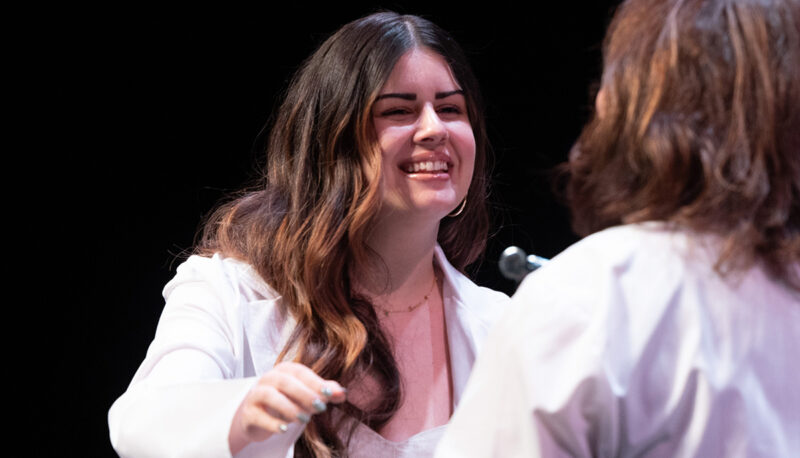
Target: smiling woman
(426, 139)
(341, 268)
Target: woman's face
(426, 140)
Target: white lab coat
(220, 329)
(629, 344)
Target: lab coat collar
(464, 309)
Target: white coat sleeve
(183, 397)
(534, 390)
(601, 354)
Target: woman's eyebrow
(404, 96)
(444, 95)
(410, 96)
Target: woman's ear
(600, 103)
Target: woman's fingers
(257, 423)
(277, 405)
(293, 392)
(315, 393)
(296, 390)
(333, 392)
(290, 392)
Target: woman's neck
(405, 250)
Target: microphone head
(513, 263)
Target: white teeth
(427, 166)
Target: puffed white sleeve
(601, 354)
(535, 388)
(183, 397)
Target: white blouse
(629, 344)
(220, 329)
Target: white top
(220, 329)
(628, 344)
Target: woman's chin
(433, 210)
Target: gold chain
(411, 308)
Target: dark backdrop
(150, 117)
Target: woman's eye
(451, 109)
(395, 112)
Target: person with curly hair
(672, 328)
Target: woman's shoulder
(626, 248)
(218, 297)
(619, 244)
(647, 270)
(622, 262)
(221, 274)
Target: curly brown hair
(698, 124)
(305, 224)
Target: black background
(143, 120)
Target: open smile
(426, 167)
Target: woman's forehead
(421, 68)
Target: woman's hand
(287, 393)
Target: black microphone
(515, 264)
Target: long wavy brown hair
(698, 123)
(304, 225)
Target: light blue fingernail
(283, 427)
(319, 406)
(303, 418)
(327, 392)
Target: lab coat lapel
(266, 327)
(461, 323)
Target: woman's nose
(430, 128)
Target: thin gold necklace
(413, 307)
